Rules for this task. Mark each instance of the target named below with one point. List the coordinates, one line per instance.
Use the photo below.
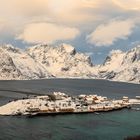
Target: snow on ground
(21, 106)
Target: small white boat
(137, 109)
(138, 97)
(97, 113)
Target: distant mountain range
(63, 61)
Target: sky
(94, 27)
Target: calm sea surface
(105, 126)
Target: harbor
(61, 103)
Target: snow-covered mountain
(7, 67)
(16, 64)
(122, 66)
(63, 61)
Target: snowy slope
(130, 68)
(19, 65)
(111, 65)
(8, 69)
(122, 66)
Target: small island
(61, 103)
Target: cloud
(85, 15)
(6, 27)
(128, 4)
(107, 34)
(64, 9)
(68, 12)
(47, 33)
(89, 53)
(24, 7)
(2, 25)
(72, 11)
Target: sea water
(115, 125)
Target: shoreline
(68, 113)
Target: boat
(138, 97)
(97, 113)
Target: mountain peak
(115, 52)
(132, 55)
(68, 48)
(10, 48)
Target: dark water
(105, 126)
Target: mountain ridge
(63, 61)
